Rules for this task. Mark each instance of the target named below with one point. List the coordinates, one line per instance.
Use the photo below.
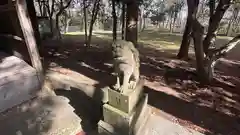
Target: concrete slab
(49, 115)
(157, 125)
(18, 81)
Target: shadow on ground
(172, 84)
(86, 108)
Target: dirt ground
(172, 85)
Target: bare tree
(206, 64)
(62, 6)
(214, 23)
(235, 12)
(114, 20)
(192, 11)
(40, 5)
(85, 7)
(95, 10)
(49, 5)
(123, 20)
(211, 4)
(147, 7)
(198, 31)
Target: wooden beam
(28, 34)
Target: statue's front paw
(132, 85)
(121, 89)
(115, 87)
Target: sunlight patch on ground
(103, 36)
(75, 33)
(161, 44)
(156, 39)
(224, 37)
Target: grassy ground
(172, 85)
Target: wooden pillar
(29, 37)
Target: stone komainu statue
(126, 65)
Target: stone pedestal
(126, 113)
(125, 101)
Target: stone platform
(49, 115)
(18, 81)
(157, 125)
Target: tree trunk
(85, 21)
(44, 11)
(186, 40)
(229, 27)
(62, 8)
(123, 21)
(211, 4)
(51, 26)
(144, 24)
(167, 23)
(114, 30)
(174, 23)
(214, 24)
(94, 17)
(158, 24)
(40, 7)
(51, 11)
(141, 20)
(233, 19)
(198, 31)
(131, 22)
(170, 23)
(67, 25)
(192, 12)
(58, 33)
(215, 54)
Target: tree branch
(62, 8)
(223, 50)
(40, 7)
(52, 7)
(48, 8)
(69, 2)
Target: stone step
(49, 115)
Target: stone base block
(105, 128)
(141, 116)
(126, 101)
(120, 120)
(127, 123)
